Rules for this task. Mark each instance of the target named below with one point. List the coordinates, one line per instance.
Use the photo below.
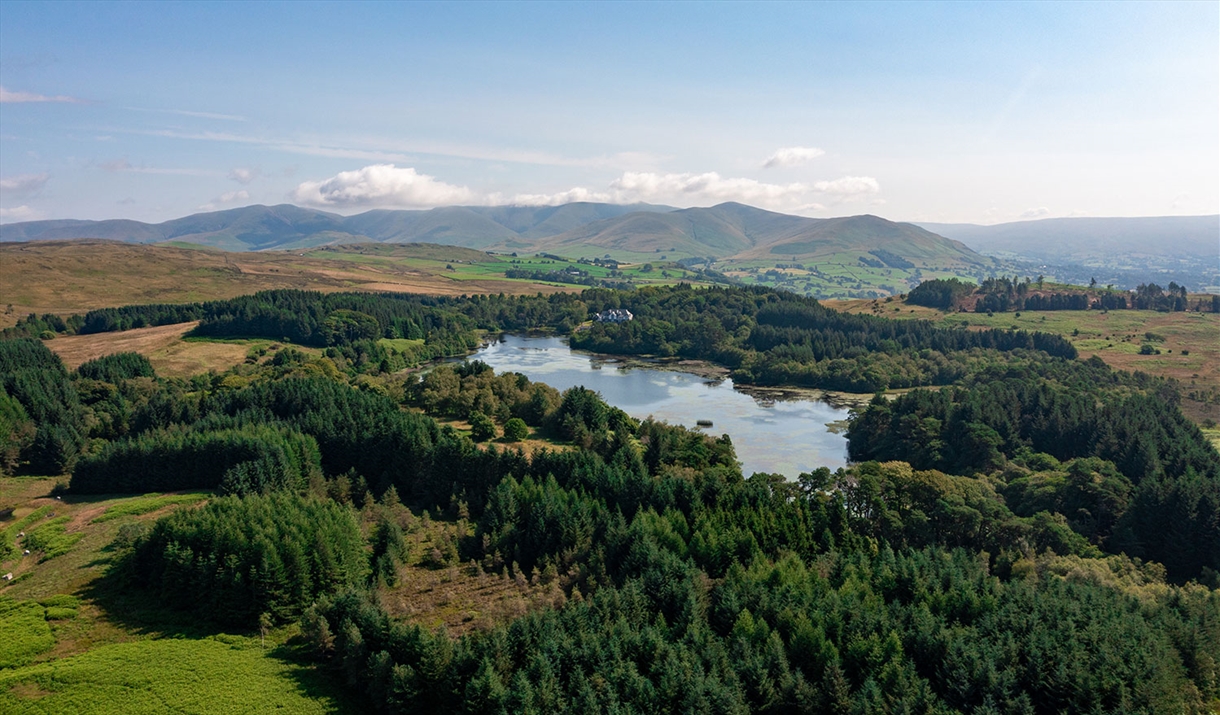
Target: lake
(770, 433)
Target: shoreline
(705, 369)
(714, 372)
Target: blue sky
(967, 112)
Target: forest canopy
(1036, 535)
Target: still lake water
(770, 435)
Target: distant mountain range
(1079, 239)
(729, 230)
(259, 228)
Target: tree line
(773, 338)
(768, 337)
(1011, 294)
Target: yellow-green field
(219, 674)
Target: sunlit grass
(149, 503)
(222, 674)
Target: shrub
(516, 430)
(482, 428)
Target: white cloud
(792, 156)
(1039, 212)
(849, 186)
(17, 213)
(24, 184)
(563, 197)
(225, 198)
(702, 188)
(678, 189)
(382, 185)
(244, 176)
(10, 97)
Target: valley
(632, 358)
(470, 491)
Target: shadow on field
(319, 681)
(125, 602)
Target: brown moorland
(75, 276)
(170, 355)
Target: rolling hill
(740, 232)
(258, 228)
(729, 230)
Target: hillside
(873, 233)
(258, 228)
(250, 228)
(738, 232)
(848, 257)
(70, 276)
(723, 231)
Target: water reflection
(770, 434)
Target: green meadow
(70, 644)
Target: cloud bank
(390, 186)
(792, 156)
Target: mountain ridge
(726, 230)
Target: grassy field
(220, 674)
(170, 353)
(76, 276)
(472, 267)
(1189, 343)
(837, 276)
(69, 645)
